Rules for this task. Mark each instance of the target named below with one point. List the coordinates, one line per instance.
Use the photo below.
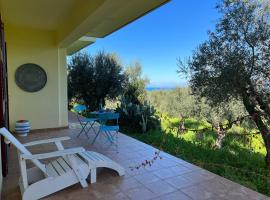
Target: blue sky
(157, 39)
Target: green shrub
(137, 117)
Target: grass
(238, 161)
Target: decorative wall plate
(30, 77)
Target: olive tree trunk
(261, 125)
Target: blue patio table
(103, 117)
(100, 112)
(98, 115)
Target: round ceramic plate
(30, 77)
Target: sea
(159, 88)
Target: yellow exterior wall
(62, 87)
(46, 108)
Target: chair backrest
(103, 117)
(20, 147)
(80, 108)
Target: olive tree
(135, 89)
(94, 78)
(234, 63)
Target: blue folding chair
(110, 131)
(79, 109)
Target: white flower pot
(22, 127)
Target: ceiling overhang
(76, 22)
(80, 44)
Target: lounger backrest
(20, 147)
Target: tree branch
(253, 52)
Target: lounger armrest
(53, 154)
(52, 140)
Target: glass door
(4, 113)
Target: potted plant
(22, 127)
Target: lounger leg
(23, 170)
(77, 171)
(93, 175)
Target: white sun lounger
(71, 166)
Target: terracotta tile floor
(169, 178)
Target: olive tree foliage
(175, 103)
(234, 63)
(224, 112)
(180, 102)
(135, 89)
(95, 78)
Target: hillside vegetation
(241, 156)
